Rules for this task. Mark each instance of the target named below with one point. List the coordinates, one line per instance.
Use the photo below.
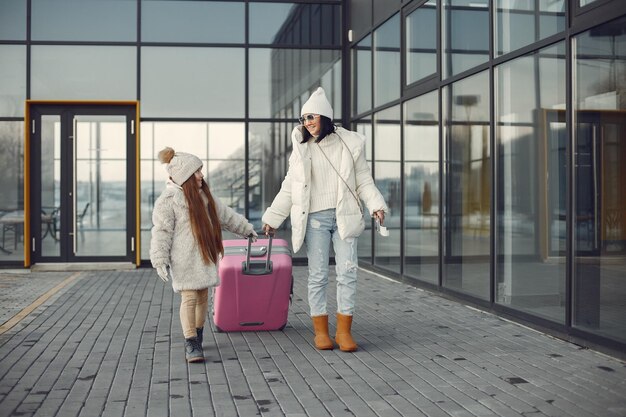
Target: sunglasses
(307, 118)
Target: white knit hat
(180, 165)
(318, 104)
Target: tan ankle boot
(343, 337)
(322, 339)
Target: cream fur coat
(173, 242)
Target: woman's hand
(268, 230)
(380, 216)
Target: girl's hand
(253, 236)
(163, 273)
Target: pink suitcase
(256, 286)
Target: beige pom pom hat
(180, 165)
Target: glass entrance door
(83, 183)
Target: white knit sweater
(324, 180)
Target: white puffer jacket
(295, 193)
(174, 244)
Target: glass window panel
(70, 72)
(387, 62)
(295, 23)
(364, 127)
(220, 146)
(80, 20)
(11, 190)
(362, 76)
(421, 185)
(192, 21)
(279, 77)
(387, 135)
(268, 154)
(12, 80)
(331, 83)
(465, 35)
(209, 84)
(226, 140)
(421, 42)
(521, 23)
(600, 180)
(531, 183)
(13, 20)
(337, 99)
(468, 187)
(149, 192)
(388, 173)
(50, 185)
(100, 180)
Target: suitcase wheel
(281, 328)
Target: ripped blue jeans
(321, 229)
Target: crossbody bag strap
(339, 175)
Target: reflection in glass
(521, 23)
(100, 199)
(268, 153)
(220, 146)
(70, 72)
(295, 24)
(12, 80)
(78, 20)
(281, 76)
(49, 239)
(387, 170)
(11, 190)
(364, 248)
(465, 35)
(362, 76)
(421, 185)
(13, 20)
(600, 180)
(421, 42)
(387, 61)
(209, 84)
(192, 21)
(467, 191)
(531, 183)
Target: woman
(322, 191)
(187, 241)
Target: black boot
(199, 332)
(193, 350)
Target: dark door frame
(135, 245)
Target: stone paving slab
(19, 288)
(111, 344)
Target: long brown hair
(205, 225)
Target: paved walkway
(108, 343)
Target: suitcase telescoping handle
(248, 267)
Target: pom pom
(166, 155)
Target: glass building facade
(496, 130)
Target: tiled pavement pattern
(20, 288)
(110, 344)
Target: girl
(187, 241)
